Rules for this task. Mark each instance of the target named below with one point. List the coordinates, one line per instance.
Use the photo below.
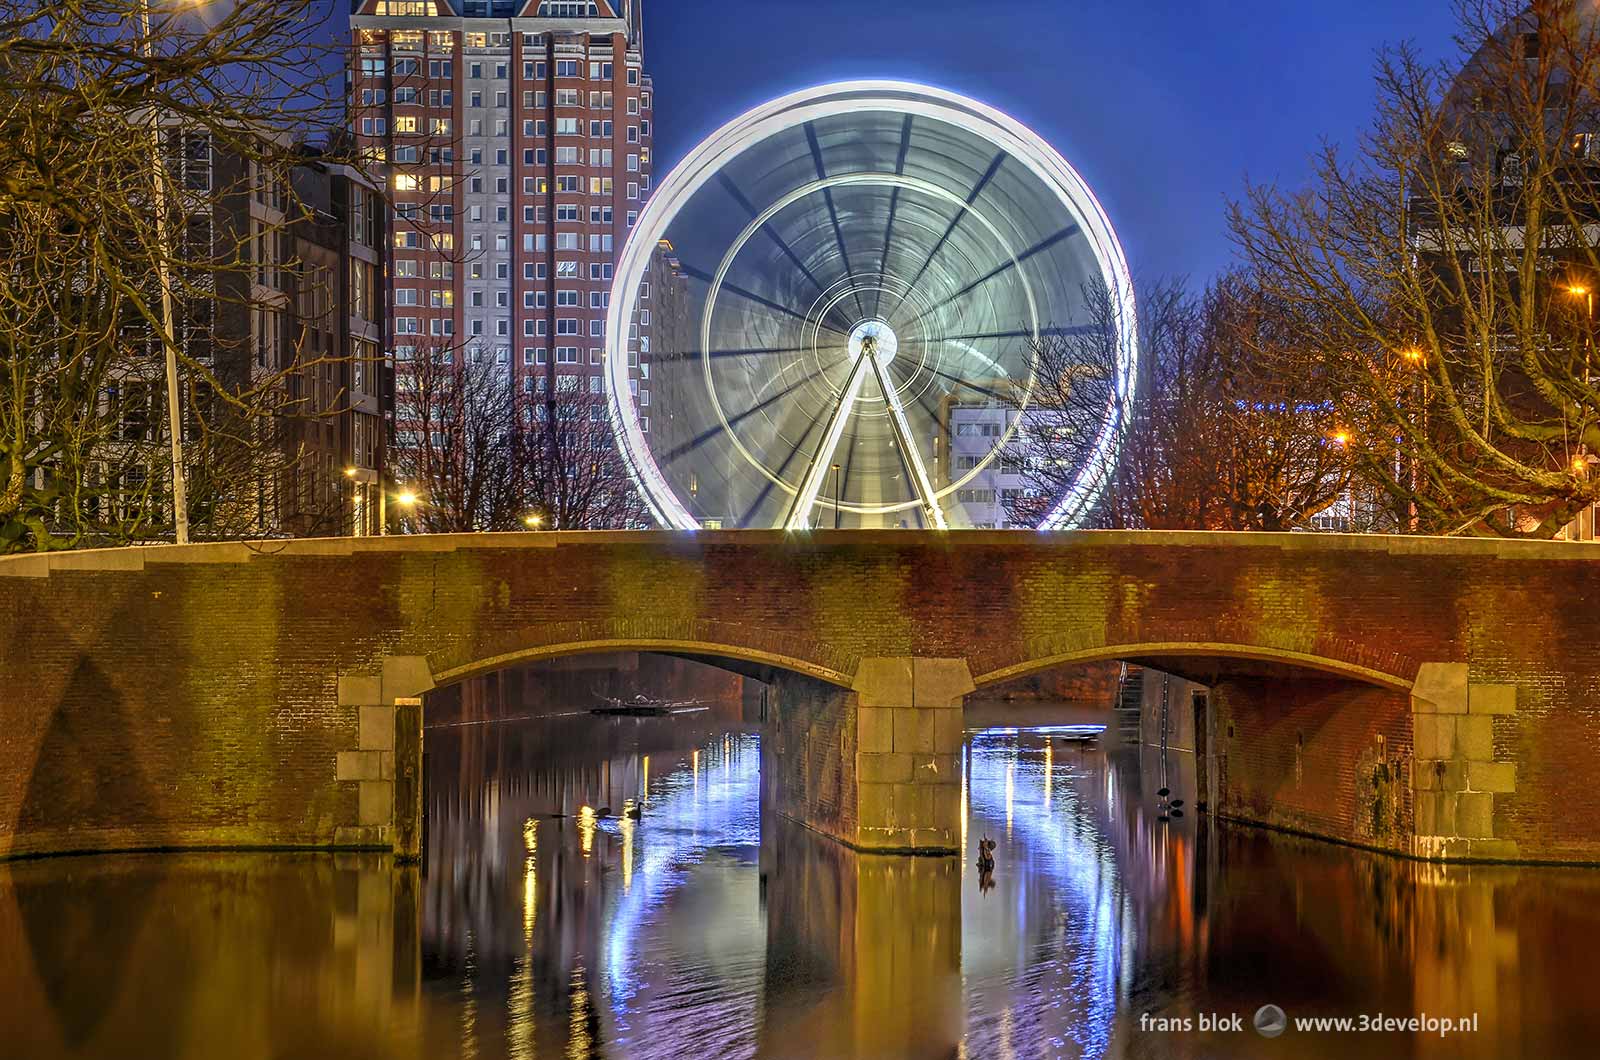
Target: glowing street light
(406, 499)
(1340, 438)
(534, 521)
(1412, 355)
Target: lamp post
(169, 338)
(837, 500)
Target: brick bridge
(1427, 696)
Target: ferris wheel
(844, 290)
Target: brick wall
(201, 696)
(1330, 758)
(808, 755)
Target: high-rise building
(516, 142)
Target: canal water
(547, 922)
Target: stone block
(352, 836)
(1440, 688)
(1492, 699)
(884, 682)
(1494, 849)
(405, 676)
(1433, 736)
(936, 769)
(949, 729)
(360, 691)
(913, 805)
(892, 768)
(359, 765)
(385, 765)
(1441, 775)
(875, 806)
(1475, 815)
(874, 729)
(1492, 776)
(1475, 738)
(913, 730)
(939, 682)
(377, 729)
(1436, 813)
(947, 809)
(376, 803)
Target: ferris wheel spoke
(994, 167)
(998, 271)
(908, 448)
(743, 200)
(805, 498)
(894, 210)
(833, 210)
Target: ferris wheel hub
(876, 337)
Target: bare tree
(1211, 438)
(126, 158)
(1438, 279)
(479, 457)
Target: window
(567, 212)
(405, 124)
(568, 127)
(566, 270)
(405, 267)
(566, 298)
(566, 355)
(566, 326)
(566, 241)
(440, 68)
(599, 270)
(567, 68)
(405, 95)
(601, 71)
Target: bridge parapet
(215, 695)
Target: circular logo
(1270, 1021)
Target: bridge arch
(1369, 672)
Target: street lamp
(406, 499)
(169, 338)
(837, 500)
(534, 521)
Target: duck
(986, 854)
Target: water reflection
(549, 920)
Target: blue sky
(1164, 107)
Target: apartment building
(515, 143)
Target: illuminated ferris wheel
(857, 276)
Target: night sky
(1164, 107)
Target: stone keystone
(1441, 688)
(405, 677)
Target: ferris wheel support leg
(799, 517)
(909, 450)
